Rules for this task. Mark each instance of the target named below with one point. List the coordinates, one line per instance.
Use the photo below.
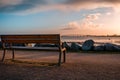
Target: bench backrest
(42, 38)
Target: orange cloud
(93, 16)
(71, 26)
(89, 22)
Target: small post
(64, 56)
(59, 62)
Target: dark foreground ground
(79, 66)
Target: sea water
(96, 39)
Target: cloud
(71, 26)
(93, 16)
(19, 5)
(91, 20)
(88, 22)
(91, 1)
(9, 2)
(90, 4)
(34, 6)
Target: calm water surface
(97, 39)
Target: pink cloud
(89, 22)
(93, 16)
(71, 26)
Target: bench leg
(59, 62)
(64, 56)
(3, 55)
(13, 55)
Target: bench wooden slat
(31, 41)
(32, 36)
(35, 48)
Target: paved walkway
(72, 57)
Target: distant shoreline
(92, 35)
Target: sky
(83, 17)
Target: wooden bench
(9, 40)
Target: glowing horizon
(84, 17)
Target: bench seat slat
(32, 41)
(36, 48)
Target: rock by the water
(66, 45)
(111, 47)
(88, 45)
(45, 45)
(75, 46)
(117, 48)
(99, 48)
(37, 45)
